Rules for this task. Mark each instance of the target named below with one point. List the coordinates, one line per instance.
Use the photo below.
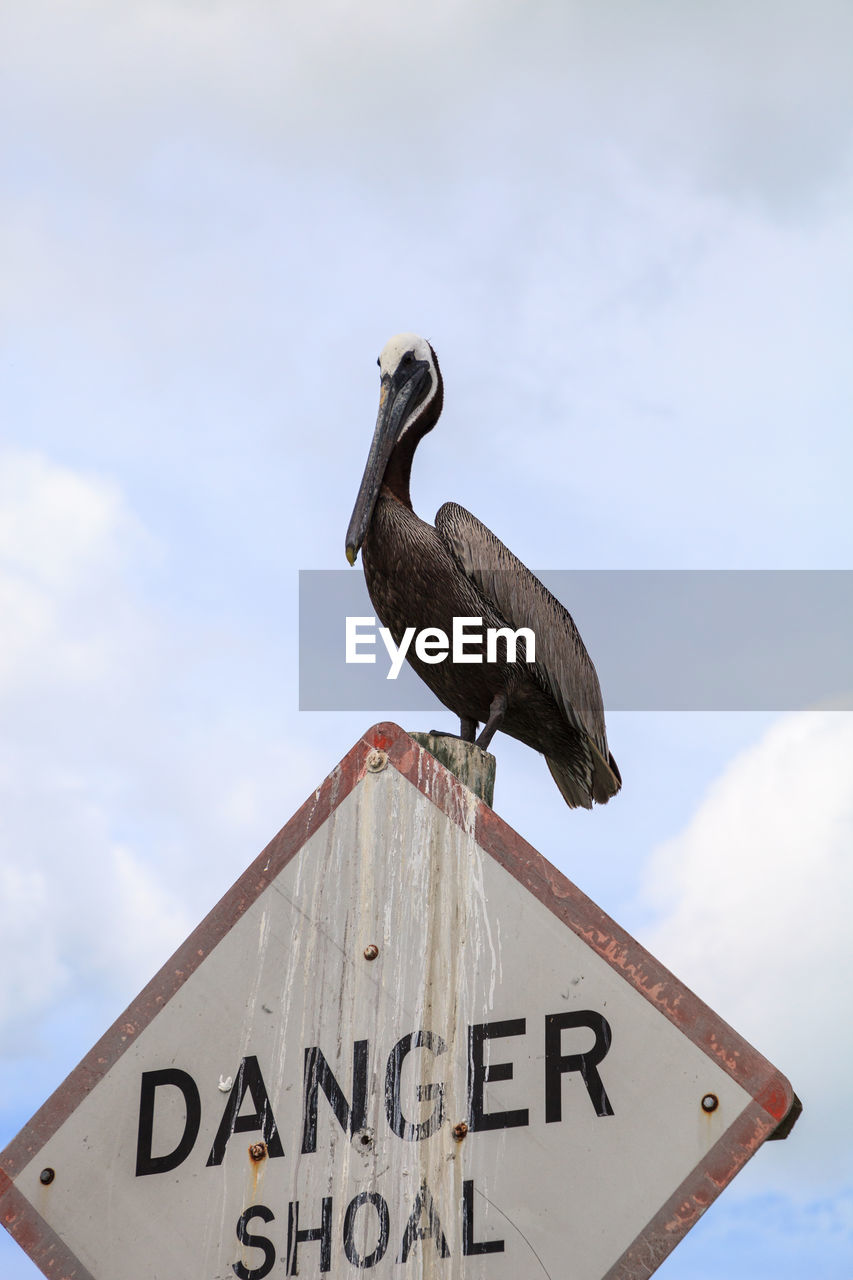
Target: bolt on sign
(402, 1043)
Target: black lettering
(240, 1269)
(355, 1257)
(318, 1075)
(295, 1237)
(425, 1092)
(469, 1244)
(416, 1230)
(479, 1075)
(151, 1082)
(557, 1063)
(249, 1080)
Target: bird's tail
(597, 781)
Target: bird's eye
(379, 362)
(408, 357)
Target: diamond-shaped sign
(403, 1042)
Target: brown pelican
(420, 576)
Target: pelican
(420, 575)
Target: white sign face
(403, 1044)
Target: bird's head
(410, 398)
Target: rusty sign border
(772, 1112)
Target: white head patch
(392, 354)
(395, 348)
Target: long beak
(381, 448)
(397, 397)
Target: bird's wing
(563, 664)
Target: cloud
(754, 901)
(623, 226)
(73, 900)
(64, 542)
(81, 915)
(752, 99)
(142, 762)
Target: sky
(626, 230)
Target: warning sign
(402, 1043)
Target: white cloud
(74, 902)
(87, 917)
(35, 970)
(624, 227)
(65, 540)
(141, 769)
(755, 916)
(752, 98)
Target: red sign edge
(774, 1106)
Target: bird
(423, 576)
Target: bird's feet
(497, 711)
(467, 731)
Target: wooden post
(474, 767)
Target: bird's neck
(398, 472)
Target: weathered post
(474, 767)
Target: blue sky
(626, 230)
